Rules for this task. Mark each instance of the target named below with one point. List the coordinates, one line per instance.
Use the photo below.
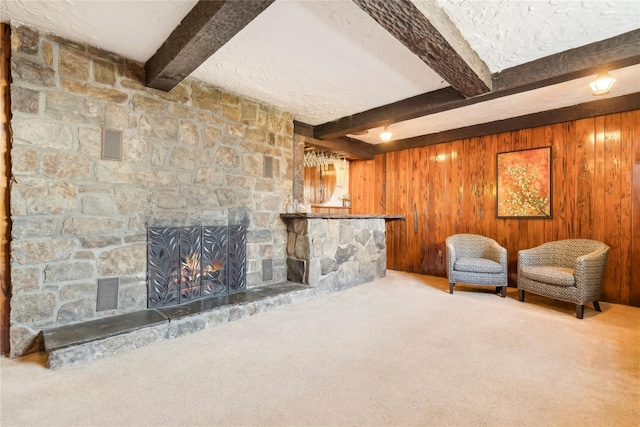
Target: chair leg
(596, 305)
(503, 291)
(579, 311)
(521, 295)
(451, 285)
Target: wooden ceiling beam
(601, 107)
(205, 29)
(427, 31)
(605, 55)
(407, 109)
(613, 53)
(350, 148)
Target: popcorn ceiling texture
(326, 60)
(506, 33)
(105, 24)
(193, 156)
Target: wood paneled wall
(450, 188)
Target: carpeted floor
(400, 351)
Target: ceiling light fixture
(386, 134)
(602, 84)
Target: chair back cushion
(565, 252)
(474, 246)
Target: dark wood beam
(616, 52)
(302, 129)
(348, 147)
(610, 54)
(352, 149)
(435, 40)
(205, 29)
(582, 111)
(410, 108)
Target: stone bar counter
(336, 250)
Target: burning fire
(191, 271)
(217, 266)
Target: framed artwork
(524, 183)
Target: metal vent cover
(111, 144)
(267, 270)
(268, 167)
(107, 294)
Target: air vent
(268, 167)
(107, 294)
(111, 144)
(267, 270)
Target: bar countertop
(341, 216)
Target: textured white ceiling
(134, 29)
(320, 59)
(506, 33)
(323, 60)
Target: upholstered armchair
(476, 260)
(569, 270)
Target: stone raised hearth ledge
(78, 343)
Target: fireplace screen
(189, 263)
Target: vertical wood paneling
(612, 202)
(380, 188)
(451, 188)
(422, 206)
(626, 204)
(563, 148)
(634, 291)
(390, 208)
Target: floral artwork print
(524, 183)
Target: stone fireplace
(189, 263)
(197, 155)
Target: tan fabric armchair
(569, 270)
(476, 260)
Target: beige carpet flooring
(400, 351)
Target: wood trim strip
(5, 144)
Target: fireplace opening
(189, 263)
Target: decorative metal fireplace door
(189, 263)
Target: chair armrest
(451, 256)
(590, 269)
(498, 254)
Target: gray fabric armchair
(476, 260)
(569, 270)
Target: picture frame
(524, 183)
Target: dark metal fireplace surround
(190, 263)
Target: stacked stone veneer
(193, 156)
(336, 252)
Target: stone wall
(336, 252)
(193, 156)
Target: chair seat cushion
(477, 265)
(552, 275)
